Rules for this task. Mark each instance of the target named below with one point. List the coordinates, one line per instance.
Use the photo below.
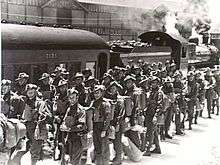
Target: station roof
(33, 37)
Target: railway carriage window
(64, 16)
(92, 66)
(183, 52)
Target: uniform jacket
(192, 90)
(36, 115)
(12, 105)
(102, 112)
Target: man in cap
(146, 69)
(154, 108)
(35, 116)
(101, 124)
(58, 75)
(168, 90)
(192, 96)
(107, 79)
(201, 94)
(112, 92)
(61, 102)
(210, 84)
(130, 90)
(217, 89)
(87, 73)
(180, 99)
(21, 82)
(12, 105)
(138, 74)
(47, 89)
(76, 124)
(80, 87)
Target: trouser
(178, 121)
(191, 104)
(209, 105)
(134, 137)
(168, 118)
(117, 143)
(35, 146)
(152, 133)
(215, 104)
(101, 145)
(75, 149)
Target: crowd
(130, 107)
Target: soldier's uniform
(12, 105)
(210, 83)
(117, 121)
(192, 96)
(154, 108)
(132, 135)
(20, 88)
(101, 123)
(35, 116)
(76, 125)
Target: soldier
(107, 79)
(217, 90)
(112, 93)
(12, 105)
(101, 124)
(168, 90)
(35, 116)
(60, 107)
(130, 89)
(146, 69)
(201, 95)
(138, 74)
(154, 107)
(80, 87)
(21, 83)
(210, 83)
(192, 96)
(87, 73)
(76, 123)
(179, 91)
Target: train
(35, 50)
(38, 49)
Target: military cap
(115, 83)
(190, 73)
(168, 80)
(6, 82)
(130, 61)
(129, 77)
(58, 69)
(167, 62)
(72, 91)
(44, 75)
(155, 78)
(143, 81)
(177, 73)
(117, 68)
(30, 86)
(22, 75)
(136, 67)
(140, 61)
(99, 87)
(107, 75)
(78, 75)
(173, 64)
(62, 82)
(65, 73)
(86, 70)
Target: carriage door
(102, 64)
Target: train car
(35, 50)
(160, 46)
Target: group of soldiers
(138, 102)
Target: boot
(147, 153)
(196, 116)
(190, 124)
(167, 135)
(200, 113)
(156, 150)
(116, 161)
(179, 132)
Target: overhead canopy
(170, 39)
(33, 37)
